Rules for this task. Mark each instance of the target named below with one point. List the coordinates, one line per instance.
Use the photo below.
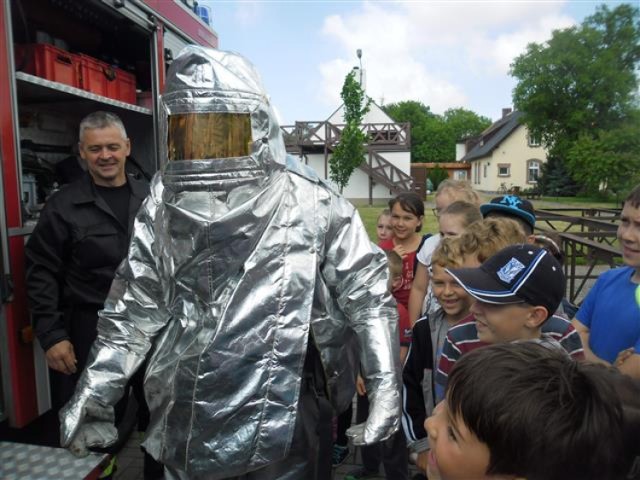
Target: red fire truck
(60, 60)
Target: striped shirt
(463, 338)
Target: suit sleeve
(356, 272)
(133, 314)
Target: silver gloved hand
(382, 422)
(86, 423)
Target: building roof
(375, 110)
(491, 138)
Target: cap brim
(482, 286)
(497, 207)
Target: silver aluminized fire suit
(235, 264)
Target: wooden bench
(531, 194)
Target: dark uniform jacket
(71, 258)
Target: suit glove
(86, 423)
(382, 422)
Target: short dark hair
(633, 198)
(544, 416)
(411, 202)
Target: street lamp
(359, 54)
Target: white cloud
(429, 51)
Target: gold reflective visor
(200, 136)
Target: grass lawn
(369, 217)
(578, 202)
(369, 214)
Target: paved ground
(130, 463)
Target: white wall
(358, 186)
(514, 151)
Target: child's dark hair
(470, 212)
(409, 202)
(544, 416)
(633, 198)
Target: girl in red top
(407, 213)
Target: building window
(533, 170)
(534, 141)
(485, 170)
(504, 169)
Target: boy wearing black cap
(511, 206)
(516, 292)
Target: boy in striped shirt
(516, 292)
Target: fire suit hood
(204, 81)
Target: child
(522, 410)
(609, 318)
(428, 337)
(453, 218)
(384, 230)
(393, 452)
(514, 207)
(515, 292)
(407, 213)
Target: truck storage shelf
(36, 89)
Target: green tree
(607, 160)
(582, 81)
(437, 175)
(434, 137)
(465, 123)
(350, 151)
(555, 179)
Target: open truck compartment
(59, 61)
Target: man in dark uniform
(80, 239)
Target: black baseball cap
(511, 205)
(516, 274)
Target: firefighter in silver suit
(252, 288)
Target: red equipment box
(94, 75)
(103, 79)
(123, 86)
(49, 62)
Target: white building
(386, 168)
(504, 156)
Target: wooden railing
(321, 133)
(386, 173)
(588, 242)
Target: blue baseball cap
(511, 205)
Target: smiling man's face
(105, 151)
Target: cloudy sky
(445, 54)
